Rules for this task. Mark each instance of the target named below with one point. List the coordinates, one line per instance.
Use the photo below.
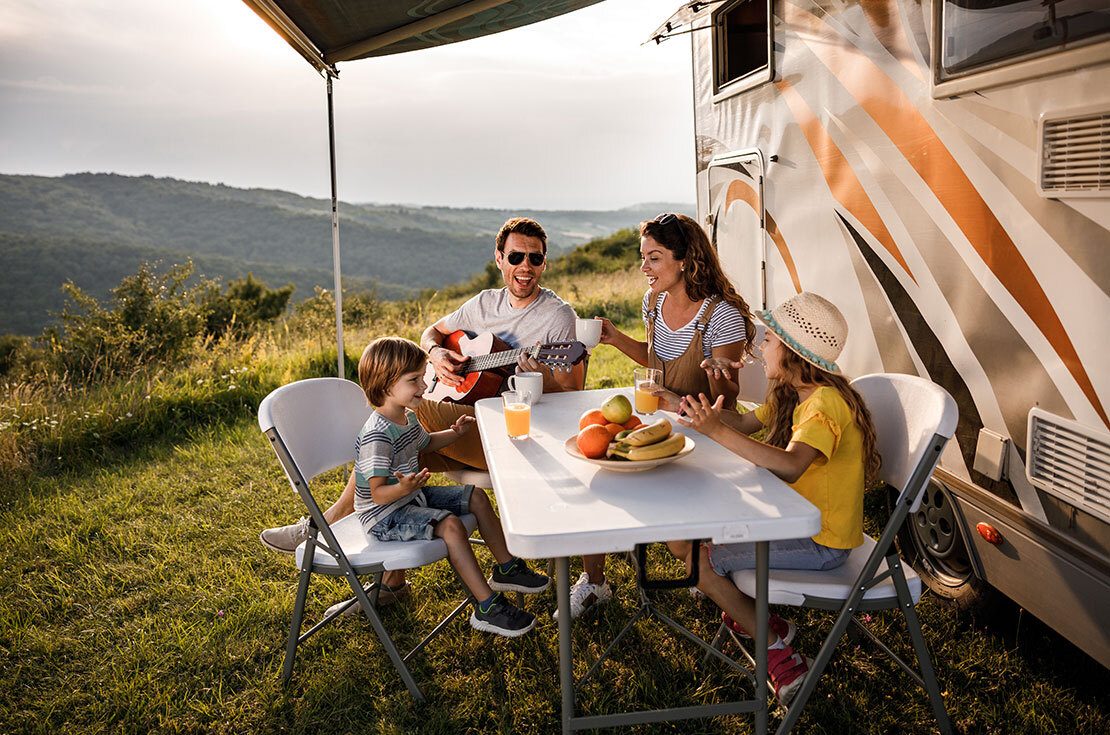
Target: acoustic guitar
(490, 361)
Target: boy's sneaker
(518, 578)
(787, 670)
(285, 539)
(502, 618)
(387, 596)
(584, 594)
(779, 626)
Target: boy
(393, 503)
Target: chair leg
(295, 625)
(718, 640)
(371, 613)
(794, 711)
(924, 659)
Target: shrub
(152, 318)
(243, 306)
(11, 346)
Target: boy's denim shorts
(414, 522)
(799, 553)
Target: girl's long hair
(703, 275)
(782, 399)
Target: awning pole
(337, 270)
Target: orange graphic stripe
(899, 118)
(741, 191)
(842, 181)
(776, 236)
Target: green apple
(617, 409)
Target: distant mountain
(94, 229)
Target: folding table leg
(762, 561)
(566, 675)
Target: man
(521, 314)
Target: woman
(692, 313)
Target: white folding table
(553, 505)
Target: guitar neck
(492, 361)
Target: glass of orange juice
(518, 413)
(646, 381)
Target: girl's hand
(463, 425)
(608, 331)
(412, 482)
(718, 368)
(668, 400)
(701, 415)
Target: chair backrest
(908, 413)
(753, 381)
(317, 420)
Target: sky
(569, 113)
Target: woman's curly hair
(703, 274)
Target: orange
(593, 441)
(633, 423)
(592, 417)
(614, 429)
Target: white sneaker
(285, 539)
(584, 594)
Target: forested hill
(94, 229)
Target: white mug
(588, 332)
(527, 383)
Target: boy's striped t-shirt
(726, 326)
(381, 449)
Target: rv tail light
(989, 533)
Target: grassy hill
(96, 228)
(138, 598)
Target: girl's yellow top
(834, 482)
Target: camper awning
(326, 32)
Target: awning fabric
(326, 32)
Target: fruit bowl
(624, 465)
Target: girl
(691, 313)
(820, 440)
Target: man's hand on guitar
(527, 364)
(446, 362)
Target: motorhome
(940, 169)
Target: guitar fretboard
(492, 361)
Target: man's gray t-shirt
(547, 319)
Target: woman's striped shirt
(725, 327)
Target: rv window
(981, 33)
(740, 42)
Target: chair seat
(477, 478)
(364, 550)
(805, 587)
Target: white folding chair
(313, 425)
(913, 419)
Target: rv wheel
(932, 540)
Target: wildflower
(128, 414)
(219, 613)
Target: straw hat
(811, 327)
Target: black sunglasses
(517, 257)
(665, 218)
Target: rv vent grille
(1075, 154)
(1070, 461)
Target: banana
(671, 445)
(650, 434)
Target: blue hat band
(767, 318)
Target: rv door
(735, 221)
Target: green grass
(137, 598)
